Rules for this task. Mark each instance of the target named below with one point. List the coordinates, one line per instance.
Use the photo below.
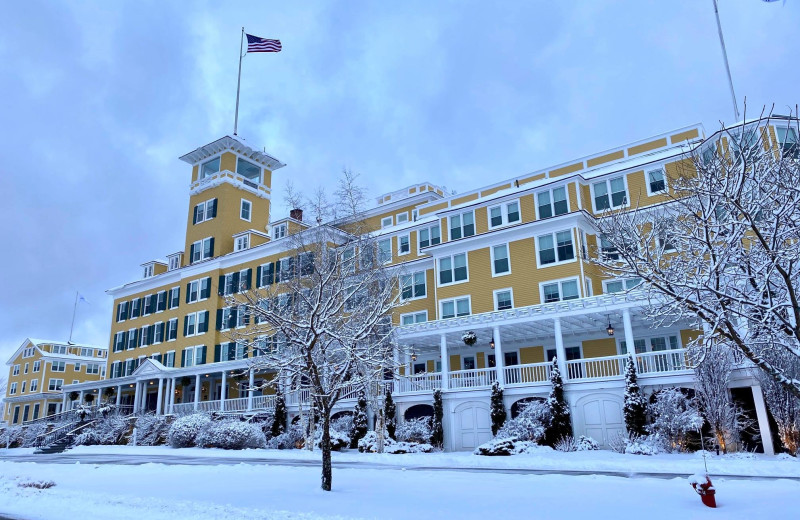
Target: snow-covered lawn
(253, 491)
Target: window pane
(460, 262)
(248, 170)
(424, 239)
(435, 235)
(455, 227)
(569, 290)
(656, 180)
(547, 254)
(407, 320)
(618, 196)
(601, 196)
(565, 249)
(503, 300)
(545, 210)
(445, 270)
(448, 310)
(210, 168)
(469, 224)
(657, 344)
(513, 212)
(550, 292)
(462, 307)
(500, 259)
(614, 287)
(560, 201)
(495, 216)
(419, 284)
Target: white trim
(408, 238)
(412, 274)
(607, 180)
(494, 297)
(455, 300)
(552, 234)
(437, 271)
(425, 312)
(384, 224)
(249, 210)
(461, 214)
(560, 282)
(398, 215)
(508, 258)
(503, 205)
(647, 181)
(550, 189)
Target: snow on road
(248, 491)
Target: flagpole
(74, 308)
(725, 58)
(238, 84)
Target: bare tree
(783, 405)
(724, 249)
(3, 385)
(712, 394)
(322, 319)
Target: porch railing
(236, 405)
(183, 408)
(527, 374)
(476, 378)
(425, 382)
(208, 406)
(596, 368)
(264, 402)
(663, 361)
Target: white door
(602, 417)
(472, 426)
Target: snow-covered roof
(235, 144)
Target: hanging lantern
(610, 329)
(491, 343)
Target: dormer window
(242, 243)
(248, 170)
(279, 231)
(148, 271)
(174, 262)
(209, 168)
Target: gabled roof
(37, 343)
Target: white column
(396, 361)
(628, 329)
(119, 394)
(251, 383)
(80, 399)
(136, 393)
(223, 391)
(445, 361)
(561, 354)
(172, 394)
(160, 395)
(763, 421)
(499, 359)
(409, 365)
(196, 390)
(64, 403)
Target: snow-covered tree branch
(723, 250)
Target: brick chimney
(296, 214)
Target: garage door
(602, 417)
(472, 426)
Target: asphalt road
(127, 459)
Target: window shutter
(191, 253)
(211, 254)
(231, 351)
(205, 287)
(151, 332)
(270, 273)
(183, 358)
(194, 216)
(162, 326)
(233, 316)
(221, 288)
(258, 277)
(119, 310)
(219, 319)
(188, 289)
(124, 341)
(245, 351)
(213, 210)
(205, 322)
(135, 336)
(248, 280)
(236, 281)
(185, 325)
(203, 355)
(161, 304)
(158, 358)
(216, 353)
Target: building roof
(234, 144)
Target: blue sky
(98, 99)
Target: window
(15, 371)
(453, 269)
(401, 217)
(787, 140)
(136, 308)
(144, 336)
(198, 290)
(429, 236)
(500, 261)
(54, 385)
(627, 284)
(225, 318)
(209, 168)
(286, 269)
(87, 352)
(174, 262)
(245, 210)
(59, 366)
(387, 222)
(202, 249)
(279, 231)
(242, 317)
(34, 385)
(552, 203)
(174, 297)
(204, 211)
(28, 352)
(560, 291)
(462, 226)
(503, 299)
(24, 385)
(37, 365)
(413, 285)
(12, 389)
(403, 244)
(92, 368)
(607, 250)
(414, 317)
(59, 349)
(77, 367)
(385, 251)
(195, 323)
(455, 307)
(158, 334)
(122, 311)
(556, 247)
(265, 275)
(161, 301)
(25, 370)
(242, 243)
(615, 188)
(169, 359)
(248, 170)
(503, 214)
(148, 271)
(172, 329)
(656, 181)
(655, 344)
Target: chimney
(296, 214)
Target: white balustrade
(596, 368)
(179, 408)
(264, 402)
(208, 406)
(425, 382)
(528, 373)
(476, 378)
(236, 405)
(662, 361)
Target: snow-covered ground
(541, 459)
(258, 491)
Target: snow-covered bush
(644, 445)
(287, 440)
(344, 424)
(407, 447)
(106, 432)
(12, 435)
(415, 430)
(230, 434)
(184, 431)
(635, 408)
(582, 443)
(32, 432)
(339, 440)
(529, 425)
(674, 415)
(151, 430)
(497, 447)
(369, 442)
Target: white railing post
(119, 394)
(499, 358)
(251, 383)
(160, 395)
(561, 354)
(196, 390)
(136, 394)
(445, 361)
(223, 391)
(628, 330)
(763, 421)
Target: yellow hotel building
(509, 261)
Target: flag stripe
(257, 44)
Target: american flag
(256, 44)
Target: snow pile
(184, 431)
(230, 434)
(674, 416)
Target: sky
(99, 99)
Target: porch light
(491, 343)
(610, 329)
(413, 356)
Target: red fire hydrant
(703, 486)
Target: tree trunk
(327, 470)
(379, 429)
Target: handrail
(473, 378)
(527, 373)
